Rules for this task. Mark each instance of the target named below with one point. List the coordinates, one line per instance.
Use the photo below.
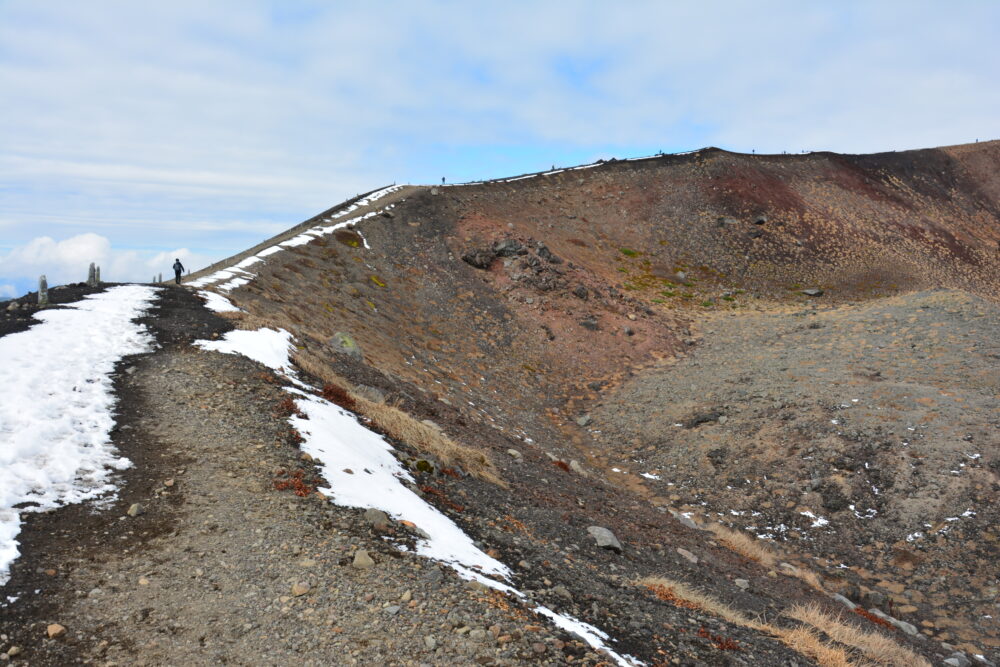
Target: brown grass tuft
(875, 648)
(809, 644)
(743, 544)
(879, 648)
(399, 425)
(682, 595)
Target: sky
(133, 133)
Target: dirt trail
(211, 570)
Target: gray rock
(605, 538)
(686, 520)
(392, 610)
(135, 510)
(509, 248)
(546, 254)
(575, 466)
(562, 592)
(515, 454)
(742, 584)
(844, 601)
(760, 220)
(580, 292)
(908, 628)
(688, 555)
(958, 659)
(590, 323)
(813, 292)
(430, 643)
(377, 519)
(479, 258)
(14, 305)
(362, 561)
(343, 343)
(583, 421)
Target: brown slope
(513, 354)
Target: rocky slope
(799, 350)
(835, 313)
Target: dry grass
(743, 544)
(682, 595)
(874, 648)
(879, 648)
(809, 644)
(399, 425)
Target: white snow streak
(56, 405)
(238, 275)
(361, 471)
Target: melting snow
(217, 302)
(56, 405)
(340, 443)
(649, 475)
(818, 521)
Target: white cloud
(213, 125)
(68, 261)
(7, 291)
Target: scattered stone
(742, 584)
(583, 421)
(581, 292)
(479, 258)
(760, 220)
(14, 305)
(135, 510)
(392, 610)
(377, 519)
(362, 561)
(54, 631)
(300, 588)
(343, 343)
(430, 643)
(14, 650)
(546, 254)
(590, 323)
(515, 454)
(813, 292)
(958, 659)
(605, 538)
(575, 466)
(688, 555)
(509, 248)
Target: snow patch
(217, 302)
(56, 405)
(361, 471)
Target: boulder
(813, 292)
(605, 538)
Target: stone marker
(43, 291)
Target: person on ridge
(178, 269)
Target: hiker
(178, 269)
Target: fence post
(43, 291)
